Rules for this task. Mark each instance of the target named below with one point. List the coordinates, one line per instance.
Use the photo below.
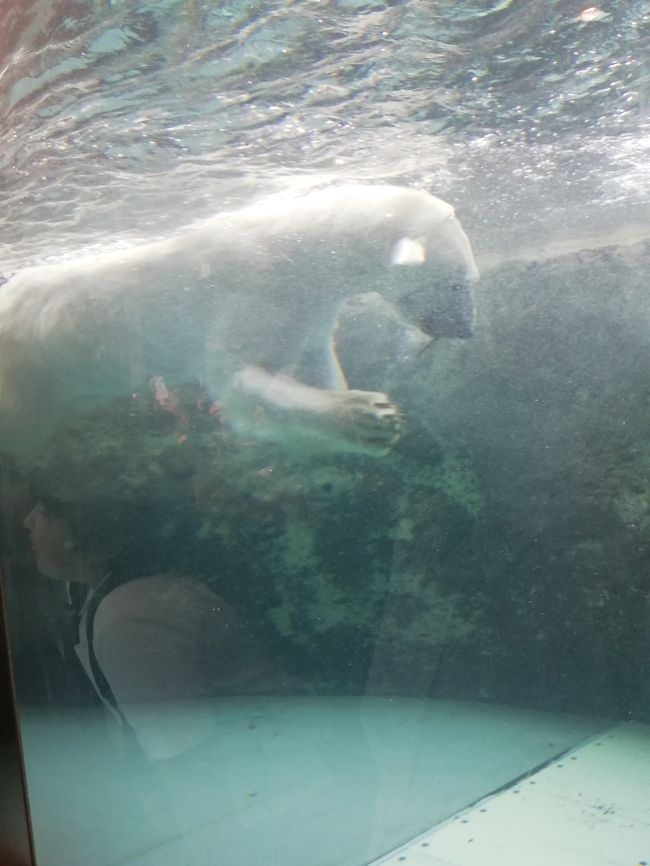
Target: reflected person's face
(52, 543)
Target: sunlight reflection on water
(127, 120)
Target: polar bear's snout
(440, 305)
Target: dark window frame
(16, 839)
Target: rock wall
(549, 404)
(500, 553)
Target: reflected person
(156, 644)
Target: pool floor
(289, 781)
(591, 807)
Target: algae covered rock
(343, 563)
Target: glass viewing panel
(325, 504)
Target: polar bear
(238, 302)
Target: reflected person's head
(56, 553)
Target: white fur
(238, 301)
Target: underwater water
(267, 645)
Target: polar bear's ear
(408, 251)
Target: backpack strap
(103, 686)
(102, 683)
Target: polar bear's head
(433, 269)
(402, 243)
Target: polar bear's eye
(408, 251)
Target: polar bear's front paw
(372, 422)
(275, 406)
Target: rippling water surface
(121, 120)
